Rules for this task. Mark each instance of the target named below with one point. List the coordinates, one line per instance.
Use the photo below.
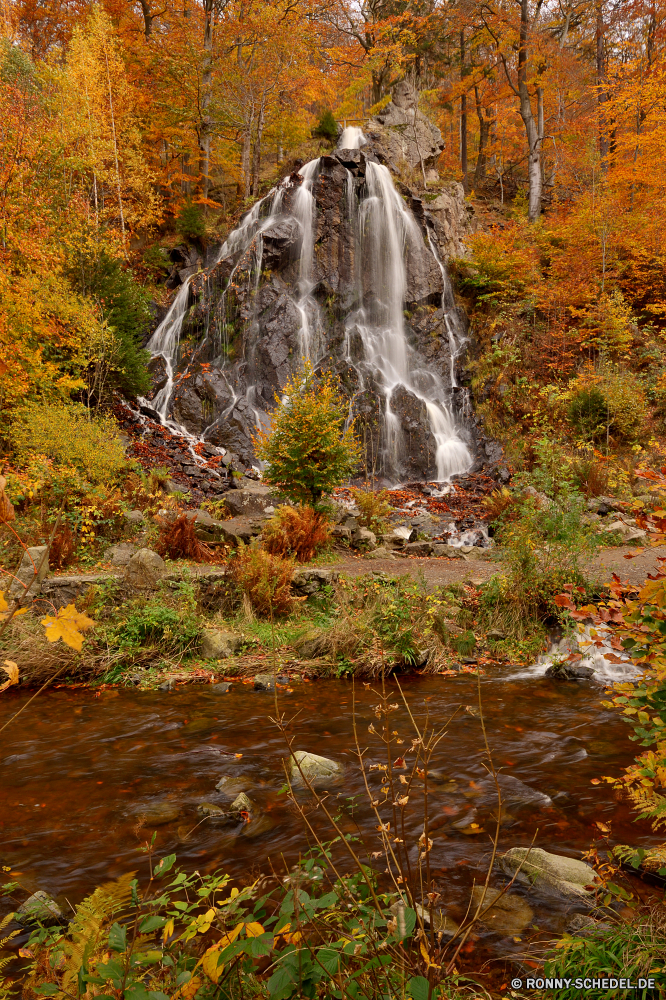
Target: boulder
(250, 500)
(452, 220)
(341, 533)
(508, 913)
(563, 670)
(306, 582)
(239, 530)
(363, 538)
(404, 532)
(419, 549)
(264, 682)
(217, 645)
(242, 803)
(380, 553)
(449, 551)
(41, 908)
(317, 770)
(145, 570)
(405, 134)
(135, 517)
(552, 873)
(35, 560)
(120, 554)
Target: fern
(6, 985)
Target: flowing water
(383, 230)
(88, 775)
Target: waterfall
(376, 343)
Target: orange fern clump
(177, 540)
(296, 531)
(265, 579)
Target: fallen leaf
(68, 624)
(595, 781)
(238, 756)
(11, 669)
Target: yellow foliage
(68, 624)
(11, 669)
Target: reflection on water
(87, 778)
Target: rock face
(337, 265)
(550, 872)
(145, 570)
(404, 132)
(35, 559)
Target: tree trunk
(256, 166)
(205, 127)
(147, 18)
(485, 122)
(463, 119)
(533, 129)
(245, 159)
(602, 93)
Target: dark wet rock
(315, 769)
(230, 785)
(569, 671)
(242, 803)
(159, 813)
(217, 644)
(40, 907)
(264, 682)
(550, 873)
(145, 569)
(222, 688)
(280, 244)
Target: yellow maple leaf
(4, 607)
(68, 624)
(11, 669)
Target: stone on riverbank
(316, 769)
(145, 570)
(550, 872)
(33, 561)
(217, 644)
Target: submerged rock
(315, 769)
(230, 785)
(216, 814)
(159, 813)
(555, 873)
(508, 912)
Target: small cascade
(374, 342)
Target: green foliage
(72, 436)
(190, 222)
(155, 261)
(588, 414)
(630, 951)
(374, 508)
(124, 306)
(156, 624)
(326, 127)
(308, 451)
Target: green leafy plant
(326, 127)
(588, 414)
(156, 624)
(308, 449)
(374, 507)
(190, 222)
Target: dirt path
(443, 571)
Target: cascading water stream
(382, 230)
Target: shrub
(190, 222)
(626, 401)
(588, 414)
(296, 531)
(264, 579)
(156, 623)
(326, 127)
(374, 508)
(124, 306)
(72, 436)
(590, 477)
(307, 449)
(178, 540)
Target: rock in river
(159, 813)
(317, 770)
(40, 906)
(550, 872)
(505, 913)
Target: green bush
(308, 451)
(588, 414)
(190, 222)
(72, 436)
(326, 127)
(156, 623)
(124, 306)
